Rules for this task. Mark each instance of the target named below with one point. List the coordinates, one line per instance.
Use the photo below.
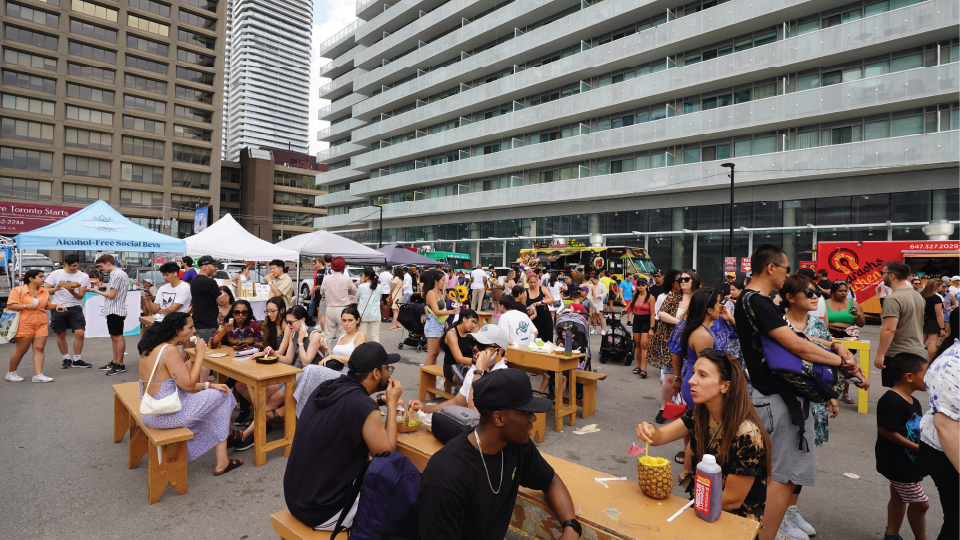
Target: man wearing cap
(338, 430)
(469, 489)
(206, 296)
(656, 288)
(731, 277)
(336, 289)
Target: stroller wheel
(419, 348)
(400, 345)
(627, 360)
(603, 359)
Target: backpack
(387, 510)
(818, 383)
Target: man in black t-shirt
(469, 489)
(338, 430)
(206, 296)
(656, 289)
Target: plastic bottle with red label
(708, 489)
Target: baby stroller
(580, 339)
(410, 316)
(617, 344)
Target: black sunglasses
(684, 279)
(241, 312)
(812, 293)
(789, 270)
(291, 323)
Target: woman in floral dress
(164, 369)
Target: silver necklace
(490, 482)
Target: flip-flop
(234, 463)
(643, 374)
(636, 371)
(846, 399)
(679, 457)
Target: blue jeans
(406, 297)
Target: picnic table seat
(167, 467)
(588, 405)
(290, 528)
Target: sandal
(636, 371)
(846, 399)
(684, 480)
(679, 457)
(234, 463)
(643, 374)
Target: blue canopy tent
(99, 227)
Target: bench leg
(290, 416)
(170, 469)
(589, 399)
(138, 443)
(447, 387)
(121, 419)
(427, 380)
(540, 427)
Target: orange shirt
(22, 295)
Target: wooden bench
(588, 405)
(169, 465)
(290, 528)
(428, 383)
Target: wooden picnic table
(616, 512)
(258, 377)
(863, 395)
(522, 358)
(145, 321)
(486, 317)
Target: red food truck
(860, 263)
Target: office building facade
(118, 101)
(483, 127)
(267, 75)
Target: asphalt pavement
(62, 476)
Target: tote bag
(9, 322)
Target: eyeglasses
(812, 293)
(389, 369)
(641, 284)
(916, 282)
(781, 266)
(272, 311)
(241, 312)
(844, 282)
(684, 279)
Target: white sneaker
(592, 331)
(13, 377)
(41, 378)
(793, 514)
(789, 531)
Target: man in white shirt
(386, 278)
(598, 291)
(516, 323)
(72, 318)
(115, 309)
(172, 297)
(478, 284)
(408, 286)
(955, 285)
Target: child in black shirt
(898, 437)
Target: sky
(329, 17)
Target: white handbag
(152, 406)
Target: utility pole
(380, 236)
(731, 167)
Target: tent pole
(300, 300)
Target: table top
(549, 362)
(248, 365)
(147, 320)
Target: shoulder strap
(748, 309)
(158, 362)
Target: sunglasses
(291, 323)
(684, 279)
(241, 312)
(641, 284)
(789, 269)
(811, 293)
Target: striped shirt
(118, 304)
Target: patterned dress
(206, 413)
(249, 337)
(821, 417)
(658, 353)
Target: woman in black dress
(537, 298)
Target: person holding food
(844, 319)
(240, 331)
(30, 300)
(68, 286)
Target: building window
(89, 94)
(229, 195)
(23, 59)
(30, 82)
(191, 179)
(195, 39)
(82, 166)
(141, 199)
(135, 146)
(209, 5)
(195, 58)
(20, 188)
(80, 193)
(149, 65)
(187, 202)
(13, 128)
(147, 45)
(189, 113)
(294, 218)
(147, 25)
(143, 104)
(197, 20)
(294, 180)
(95, 73)
(33, 15)
(142, 174)
(202, 96)
(89, 115)
(91, 140)
(93, 53)
(190, 154)
(147, 85)
(229, 174)
(294, 199)
(23, 104)
(27, 160)
(30, 38)
(93, 31)
(188, 132)
(94, 10)
(193, 75)
(142, 124)
(153, 7)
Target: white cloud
(330, 16)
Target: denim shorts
(433, 327)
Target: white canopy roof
(227, 239)
(319, 243)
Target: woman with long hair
(933, 326)
(306, 341)
(642, 307)
(31, 300)
(669, 313)
(557, 287)
(695, 333)
(458, 346)
(723, 423)
(275, 337)
(841, 314)
(368, 303)
(396, 295)
(538, 306)
(496, 290)
(510, 282)
(432, 285)
(241, 331)
(205, 408)
(350, 340)
(225, 309)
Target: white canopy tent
(227, 239)
(319, 243)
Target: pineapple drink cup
(655, 476)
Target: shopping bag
(9, 322)
(675, 409)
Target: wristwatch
(572, 523)
(677, 378)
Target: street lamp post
(380, 235)
(731, 167)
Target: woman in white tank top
(350, 319)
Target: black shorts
(71, 319)
(641, 323)
(115, 325)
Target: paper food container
(655, 476)
(408, 421)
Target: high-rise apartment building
(484, 126)
(267, 84)
(113, 100)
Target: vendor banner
(95, 313)
(18, 217)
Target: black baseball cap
(370, 356)
(505, 389)
(206, 259)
